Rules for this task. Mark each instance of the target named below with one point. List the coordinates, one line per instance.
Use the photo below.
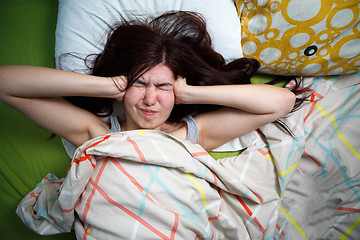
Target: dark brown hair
(177, 39)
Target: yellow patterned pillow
(301, 37)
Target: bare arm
(247, 107)
(36, 92)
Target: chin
(150, 126)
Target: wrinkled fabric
(150, 185)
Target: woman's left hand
(180, 90)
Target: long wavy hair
(177, 39)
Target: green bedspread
(27, 37)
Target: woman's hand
(180, 90)
(119, 87)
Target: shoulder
(98, 129)
(178, 130)
(92, 129)
(187, 129)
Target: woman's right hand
(119, 87)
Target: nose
(150, 96)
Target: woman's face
(149, 101)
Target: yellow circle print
(302, 37)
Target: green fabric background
(27, 29)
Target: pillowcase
(82, 25)
(301, 37)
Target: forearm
(252, 98)
(30, 81)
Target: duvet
(149, 185)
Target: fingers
(181, 79)
(180, 89)
(119, 87)
(120, 82)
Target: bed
(279, 187)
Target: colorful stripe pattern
(323, 199)
(146, 184)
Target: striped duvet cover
(149, 185)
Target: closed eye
(165, 86)
(139, 84)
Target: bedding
(320, 199)
(147, 184)
(92, 19)
(301, 37)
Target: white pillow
(82, 26)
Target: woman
(163, 70)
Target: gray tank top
(192, 133)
